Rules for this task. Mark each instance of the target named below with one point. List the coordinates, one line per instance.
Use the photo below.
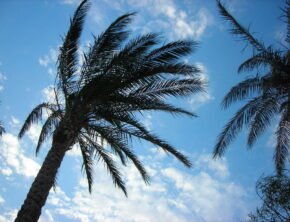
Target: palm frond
(113, 137)
(263, 116)
(171, 87)
(143, 133)
(109, 162)
(254, 62)
(242, 90)
(239, 30)
(50, 124)
(87, 162)
(283, 142)
(235, 125)
(68, 57)
(104, 48)
(34, 117)
(171, 52)
(287, 16)
(140, 45)
(142, 103)
(163, 145)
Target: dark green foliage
(274, 191)
(267, 94)
(119, 78)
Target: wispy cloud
(173, 195)
(13, 159)
(48, 61)
(200, 99)
(157, 15)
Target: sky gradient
(213, 190)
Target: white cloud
(46, 217)
(48, 94)
(68, 2)
(200, 99)
(8, 216)
(33, 133)
(180, 23)
(49, 59)
(218, 167)
(167, 16)
(147, 121)
(14, 123)
(13, 158)
(173, 195)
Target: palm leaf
(239, 30)
(263, 116)
(172, 87)
(243, 90)
(68, 57)
(109, 162)
(283, 142)
(48, 127)
(87, 162)
(115, 141)
(103, 49)
(171, 52)
(235, 125)
(34, 117)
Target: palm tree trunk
(38, 193)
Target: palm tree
(99, 99)
(267, 94)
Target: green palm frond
(109, 162)
(112, 136)
(287, 16)
(242, 91)
(143, 133)
(261, 59)
(140, 45)
(263, 116)
(171, 52)
(163, 145)
(68, 57)
(103, 49)
(140, 103)
(34, 117)
(170, 87)
(239, 30)
(283, 142)
(87, 162)
(235, 125)
(48, 127)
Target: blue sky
(221, 190)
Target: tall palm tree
(99, 99)
(267, 93)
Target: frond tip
(34, 117)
